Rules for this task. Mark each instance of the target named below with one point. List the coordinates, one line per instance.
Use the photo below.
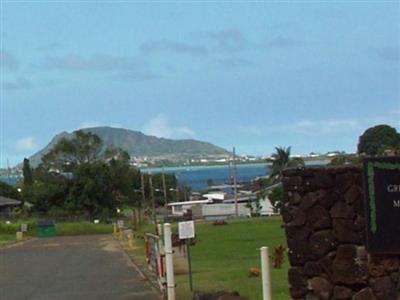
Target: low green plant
(278, 256)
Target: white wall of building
(225, 209)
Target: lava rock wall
(325, 224)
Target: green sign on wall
(382, 200)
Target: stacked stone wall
(325, 226)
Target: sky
(313, 75)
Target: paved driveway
(76, 268)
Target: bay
(197, 177)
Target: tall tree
(84, 147)
(376, 140)
(48, 191)
(91, 190)
(27, 172)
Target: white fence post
(169, 262)
(265, 273)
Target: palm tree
(272, 187)
(283, 161)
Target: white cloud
(25, 144)
(89, 124)
(160, 127)
(336, 127)
(325, 126)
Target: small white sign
(186, 230)
(120, 223)
(24, 227)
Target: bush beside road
(65, 228)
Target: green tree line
(81, 176)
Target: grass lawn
(81, 228)
(223, 255)
(6, 238)
(67, 228)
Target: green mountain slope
(139, 144)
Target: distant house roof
(4, 201)
(190, 202)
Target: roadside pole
(143, 204)
(177, 193)
(189, 264)
(153, 203)
(235, 183)
(164, 187)
(169, 262)
(265, 273)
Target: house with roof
(7, 205)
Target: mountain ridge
(138, 144)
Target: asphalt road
(78, 268)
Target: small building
(180, 208)
(7, 205)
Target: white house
(180, 208)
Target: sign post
(24, 227)
(120, 224)
(186, 232)
(382, 202)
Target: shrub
(278, 256)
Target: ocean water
(196, 177)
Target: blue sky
(310, 74)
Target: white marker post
(169, 262)
(265, 273)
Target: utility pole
(230, 173)
(143, 196)
(184, 193)
(177, 188)
(177, 193)
(153, 203)
(235, 183)
(164, 187)
(8, 169)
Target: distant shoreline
(171, 169)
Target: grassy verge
(223, 255)
(67, 228)
(82, 228)
(6, 239)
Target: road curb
(18, 243)
(141, 273)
